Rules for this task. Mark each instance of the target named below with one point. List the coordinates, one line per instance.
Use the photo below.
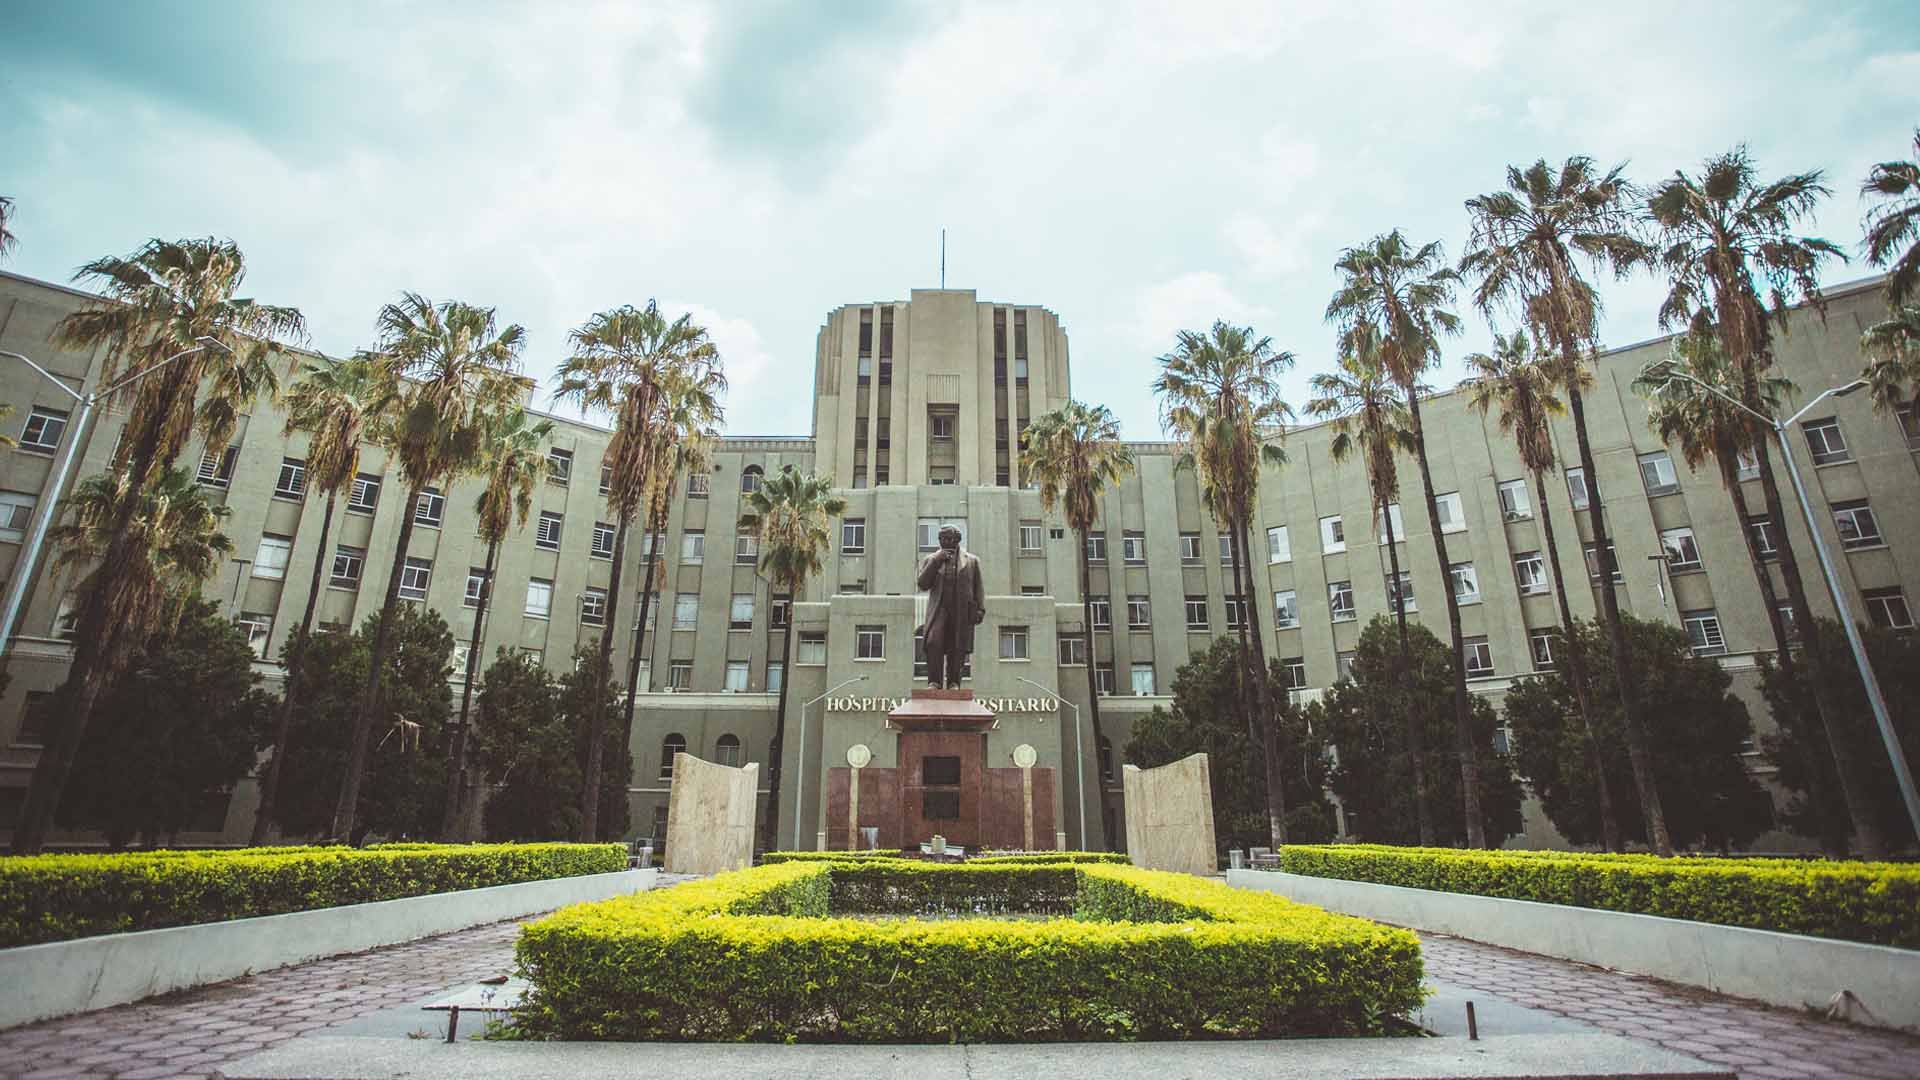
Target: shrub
(1030, 858)
(769, 955)
(1853, 901)
(58, 897)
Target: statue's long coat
(953, 592)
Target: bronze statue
(956, 603)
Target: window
(270, 559)
(1703, 632)
(1787, 627)
(1072, 649)
(1142, 679)
(698, 484)
(942, 425)
(348, 564)
(1857, 525)
(1515, 504)
(1540, 644)
(1401, 591)
(559, 466)
(430, 508)
(1102, 611)
(536, 657)
(781, 609)
(1030, 538)
(856, 587)
(740, 612)
(1530, 573)
(1682, 552)
(1096, 547)
(1196, 613)
(928, 531)
(671, 747)
(414, 577)
(686, 610)
(812, 647)
(679, 676)
(1294, 672)
(1577, 488)
(693, 547)
(1910, 425)
(547, 533)
(776, 676)
(43, 430)
(33, 719)
(1340, 600)
(1139, 614)
(216, 467)
(365, 496)
(1451, 512)
(1236, 612)
(1103, 679)
(870, 643)
(1343, 666)
(539, 597)
(1133, 548)
(1479, 657)
(1888, 608)
(853, 536)
(292, 483)
(746, 547)
(1333, 535)
(66, 620)
(1106, 760)
(593, 607)
(606, 479)
(258, 626)
(1656, 473)
(1466, 583)
(1825, 442)
(1286, 610)
(1226, 549)
(1391, 517)
(1013, 643)
(726, 751)
(1746, 465)
(1593, 563)
(476, 585)
(1279, 548)
(1189, 547)
(736, 677)
(16, 512)
(1761, 529)
(602, 540)
(939, 475)
(750, 478)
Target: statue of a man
(956, 602)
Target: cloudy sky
(1137, 169)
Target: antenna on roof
(943, 256)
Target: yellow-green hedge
(770, 955)
(1855, 901)
(57, 897)
(1029, 858)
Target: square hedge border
(762, 955)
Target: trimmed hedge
(1027, 858)
(1878, 903)
(60, 897)
(769, 955)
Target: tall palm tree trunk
(1638, 755)
(1265, 733)
(770, 837)
(657, 526)
(1462, 708)
(452, 813)
(1093, 695)
(603, 671)
(1577, 664)
(296, 657)
(1416, 710)
(348, 806)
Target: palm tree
(630, 362)
(1220, 396)
(790, 514)
(1073, 454)
(1520, 382)
(168, 319)
(1398, 294)
(335, 404)
(1526, 247)
(513, 462)
(1895, 222)
(1716, 233)
(1371, 419)
(1892, 346)
(182, 529)
(447, 370)
(8, 241)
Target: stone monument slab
(710, 816)
(1170, 816)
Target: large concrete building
(918, 408)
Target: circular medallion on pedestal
(859, 756)
(1024, 756)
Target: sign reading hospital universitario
(1001, 705)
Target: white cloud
(1269, 250)
(1189, 301)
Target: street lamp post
(63, 473)
(1080, 765)
(800, 765)
(1878, 701)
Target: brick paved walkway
(191, 1033)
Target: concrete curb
(64, 977)
(1790, 970)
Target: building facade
(918, 409)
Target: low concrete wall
(1790, 970)
(64, 977)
